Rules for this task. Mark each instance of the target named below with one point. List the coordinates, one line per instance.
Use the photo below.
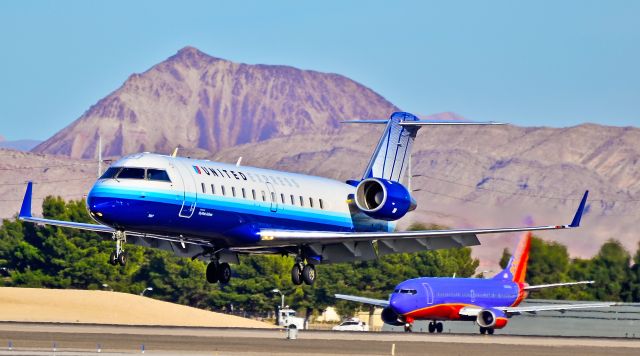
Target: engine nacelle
(383, 199)
(390, 317)
(492, 318)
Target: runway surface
(74, 339)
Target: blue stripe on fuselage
(214, 216)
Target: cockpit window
(110, 173)
(131, 173)
(408, 291)
(158, 175)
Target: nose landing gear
(119, 256)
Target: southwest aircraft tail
(516, 269)
(392, 154)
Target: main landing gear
(218, 272)
(119, 256)
(408, 328)
(435, 326)
(302, 272)
(484, 330)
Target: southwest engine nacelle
(390, 317)
(383, 199)
(492, 318)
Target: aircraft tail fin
(390, 159)
(516, 269)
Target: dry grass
(101, 307)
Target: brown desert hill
(52, 175)
(198, 101)
(102, 307)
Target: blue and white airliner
(217, 211)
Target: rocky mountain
(201, 102)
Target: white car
(352, 325)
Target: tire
(292, 326)
(309, 274)
(439, 327)
(212, 273)
(122, 259)
(224, 273)
(432, 327)
(483, 330)
(407, 328)
(112, 259)
(490, 331)
(296, 274)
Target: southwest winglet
(578, 216)
(25, 210)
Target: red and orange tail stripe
(521, 258)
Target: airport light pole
(105, 286)
(146, 289)
(281, 297)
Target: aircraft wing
(363, 300)
(540, 286)
(25, 215)
(551, 307)
(350, 246)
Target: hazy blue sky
(554, 63)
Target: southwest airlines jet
(217, 211)
(488, 302)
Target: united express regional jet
(217, 211)
(488, 302)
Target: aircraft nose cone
(396, 304)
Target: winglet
(25, 210)
(578, 216)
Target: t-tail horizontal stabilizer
(392, 154)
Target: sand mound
(101, 307)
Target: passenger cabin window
(282, 197)
(157, 175)
(293, 200)
(213, 189)
(301, 201)
(131, 173)
(264, 196)
(321, 204)
(311, 202)
(244, 194)
(273, 197)
(233, 191)
(223, 190)
(110, 173)
(204, 190)
(253, 193)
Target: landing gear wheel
(490, 331)
(439, 327)
(407, 328)
(122, 258)
(432, 327)
(224, 273)
(113, 260)
(296, 274)
(212, 273)
(309, 274)
(483, 330)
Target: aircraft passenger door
(273, 197)
(190, 192)
(428, 293)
